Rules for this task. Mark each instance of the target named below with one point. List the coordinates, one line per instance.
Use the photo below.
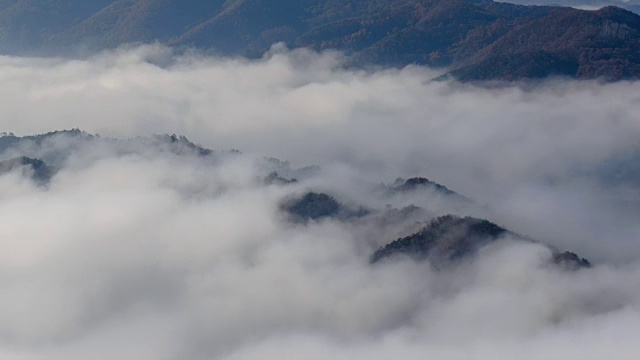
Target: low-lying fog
(136, 250)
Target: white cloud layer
(153, 255)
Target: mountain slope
(631, 5)
(248, 26)
(478, 40)
(452, 238)
(25, 24)
(585, 44)
(124, 21)
(36, 169)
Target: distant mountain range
(442, 239)
(631, 5)
(478, 39)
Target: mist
(138, 249)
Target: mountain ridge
(441, 238)
(451, 238)
(477, 40)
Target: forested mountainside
(479, 40)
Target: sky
(134, 251)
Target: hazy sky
(151, 255)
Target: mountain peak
(450, 238)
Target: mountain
(418, 183)
(439, 238)
(318, 206)
(478, 39)
(126, 21)
(451, 238)
(443, 240)
(415, 185)
(631, 5)
(36, 169)
(26, 24)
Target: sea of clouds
(135, 252)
